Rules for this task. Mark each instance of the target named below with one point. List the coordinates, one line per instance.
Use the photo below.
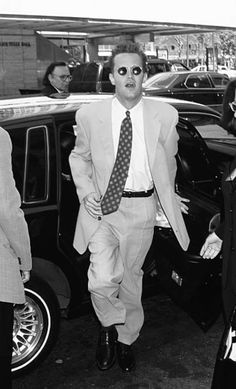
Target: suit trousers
(118, 249)
(6, 328)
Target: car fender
(54, 276)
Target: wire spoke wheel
(36, 326)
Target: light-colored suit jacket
(15, 254)
(92, 160)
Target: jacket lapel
(152, 127)
(105, 131)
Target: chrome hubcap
(27, 330)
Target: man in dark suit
(56, 80)
(136, 137)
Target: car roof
(186, 105)
(183, 72)
(157, 60)
(23, 107)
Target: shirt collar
(118, 106)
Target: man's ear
(112, 78)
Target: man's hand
(25, 275)
(181, 201)
(211, 247)
(92, 203)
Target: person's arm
(81, 169)
(171, 147)
(170, 144)
(12, 220)
(80, 160)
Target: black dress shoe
(106, 350)
(125, 357)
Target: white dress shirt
(139, 176)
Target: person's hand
(181, 201)
(92, 203)
(25, 275)
(211, 247)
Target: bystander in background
(56, 80)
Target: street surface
(172, 353)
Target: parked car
(160, 65)
(231, 73)
(221, 144)
(201, 87)
(177, 65)
(94, 76)
(42, 133)
(91, 77)
(199, 68)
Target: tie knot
(127, 114)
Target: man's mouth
(130, 84)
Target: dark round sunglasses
(136, 70)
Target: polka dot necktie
(112, 196)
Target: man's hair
(49, 70)
(128, 47)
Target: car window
(178, 67)
(179, 83)
(158, 67)
(18, 157)
(219, 80)
(200, 68)
(194, 166)
(198, 81)
(207, 125)
(36, 180)
(67, 142)
(84, 78)
(105, 80)
(161, 80)
(221, 144)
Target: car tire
(36, 326)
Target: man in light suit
(15, 256)
(119, 241)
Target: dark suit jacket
(48, 90)
(226, 230)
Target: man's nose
(129, 72)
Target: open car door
(191, 281)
